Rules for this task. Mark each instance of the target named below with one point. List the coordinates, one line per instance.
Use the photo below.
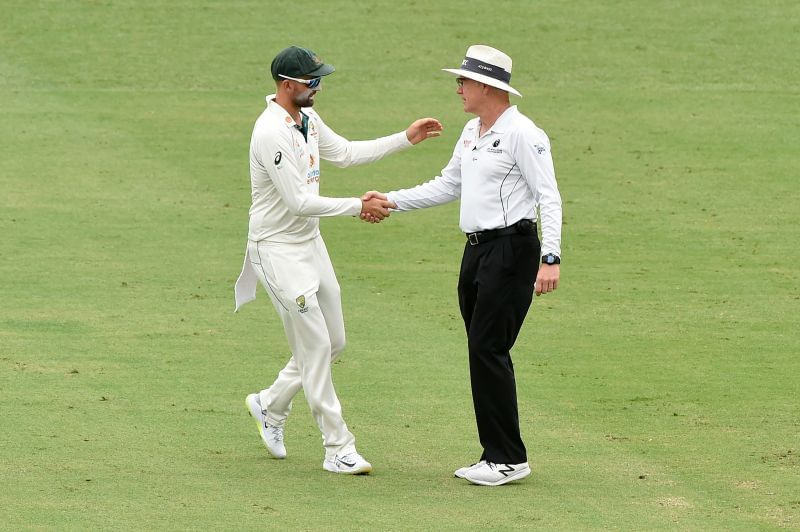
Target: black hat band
(471, 64)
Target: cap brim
(480, 78)
(323, 70)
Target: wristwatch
(551, 259)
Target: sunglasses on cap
(310, 83)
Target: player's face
(303, 96)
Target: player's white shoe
(349, 464)
(463, 470)
(271, 435)
(490, 474)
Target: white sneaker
(463, 471)
(490, 474)
(349, 464)
(271, 435)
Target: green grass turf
(658, 387)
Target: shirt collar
(286, 118)
(276, 109)
(504, 120)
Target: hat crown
(486, 65)
(489, 55)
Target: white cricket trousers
(302, 285)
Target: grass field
(658, 386)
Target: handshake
(375, 207)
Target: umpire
(502, 172)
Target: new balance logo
(505, 472)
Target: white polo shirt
(502, 177)
(285, 176)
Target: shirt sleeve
(342, 152)
(276, 150)
(532, 153)
(438, 191)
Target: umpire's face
(472, 94)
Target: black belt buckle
(472, 238)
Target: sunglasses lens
(314, 83)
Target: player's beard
(304, 99)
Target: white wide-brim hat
(488, 65)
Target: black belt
(522, 227)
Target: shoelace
(277, 432)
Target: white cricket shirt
(502, 177)
(285, 176)
(284, 180)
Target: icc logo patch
(540, 149)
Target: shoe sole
(250, 410)
(516, 476)
(365, 470)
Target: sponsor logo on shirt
(494, 148)
(278, 159)
(540, 148)
(467, 143)
(313, 174)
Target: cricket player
(286, 253)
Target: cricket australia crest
(301, 304)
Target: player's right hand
(375, 207)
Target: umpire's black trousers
(495, 290)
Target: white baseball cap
(487, 65)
